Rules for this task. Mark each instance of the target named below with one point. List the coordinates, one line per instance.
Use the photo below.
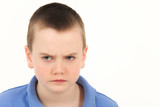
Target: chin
(59, 89)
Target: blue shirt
(25, 96)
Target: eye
(70, 57)
(47, 58)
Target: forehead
(52, 41)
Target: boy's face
(57, 58)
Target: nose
(58, 67)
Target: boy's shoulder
(14, 91)
(104, 101)
(93, 97)
(13, 97)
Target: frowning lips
(59, 81)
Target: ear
(28, 56)
(84, 56)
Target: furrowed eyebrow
(46, 54)
(69, 54)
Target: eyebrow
(46, 54)
(69, 54)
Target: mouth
(58, 81)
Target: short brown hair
(57, 16)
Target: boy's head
(57, 16)
(56, 47)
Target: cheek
(41, 73)
(74, 69)
(40, 69)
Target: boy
(56, 49)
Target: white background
(123, 36)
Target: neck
(72, 96)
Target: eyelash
(48, 58)
(68, 58)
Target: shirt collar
(32, 95)
(90, 93)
